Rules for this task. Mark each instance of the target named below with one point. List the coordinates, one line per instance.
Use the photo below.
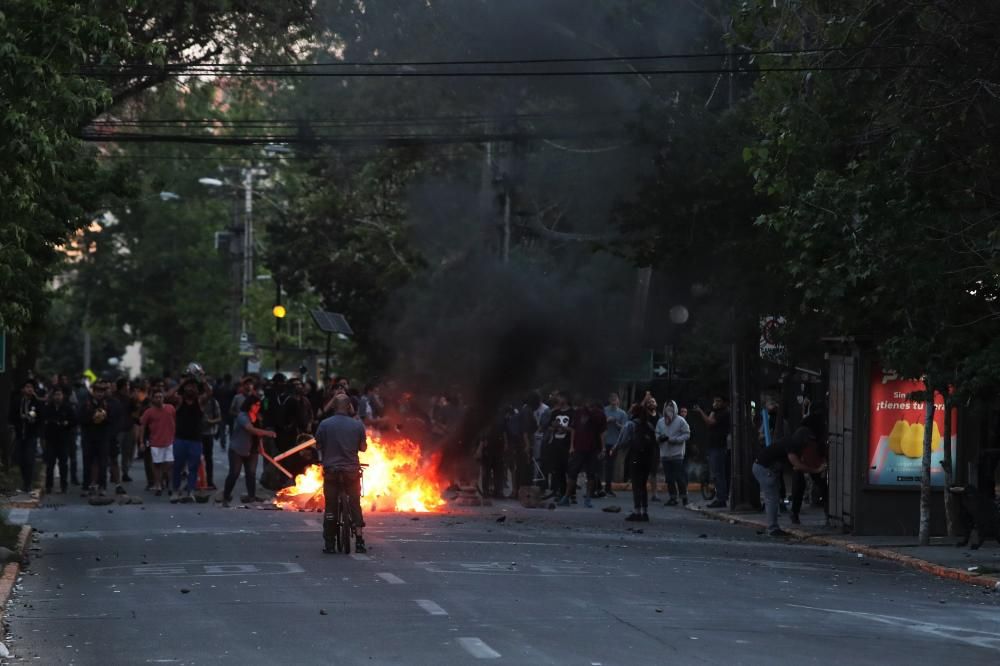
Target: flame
(398, 478)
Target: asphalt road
(199, 584)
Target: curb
(941, 571)
(13, 569)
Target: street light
(169, 196)
(211, 182)
(279, 311)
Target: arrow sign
(660, 370)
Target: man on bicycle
(339, 439)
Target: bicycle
(345, 529)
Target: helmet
(194, 368)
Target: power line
(397, 140)
(516, 61)
(299, 73)
(470, 119)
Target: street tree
(878, 160)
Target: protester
(718, 422)
(672, 434)
(160, 418)
(769, 467)
(339, 439)
(814, 455)
(210, 424)
(60, 430)
(243, 452)
(223, 392)
(492, 444)
(371, 407)
(515, 454)
(771, 426)
(585, 452)
(537, 430)
(25, 416)
(187, 441)
(96, 435)
(616, 418)
(121, 424)
(639, 436)
(559, 444)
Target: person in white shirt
(672, 434)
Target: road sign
(660, 370)
(246, 349)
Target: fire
(397, 478)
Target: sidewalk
(941, 558)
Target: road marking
(514, 569)
(984, 639)
(360, 556)
(477, 648)
(392, 579)
(431, 607)
(18, 516)
(187, 569)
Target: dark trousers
(676, 475)
(57, 452)
(73, 473)
(609, 466)
(96, 450)
(333, 483)
(147, 463)
(126, 449)
(25, 453)
(654, 470)
(207, 441)
(522, 472)
(249, 466)
(718, 460)
(559, 467)
(641, 465)
(492, 475)
(799, 489)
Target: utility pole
(248, 175)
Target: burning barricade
(398, 478)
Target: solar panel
(331, 322)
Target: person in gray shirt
(617, 418)
(339, 439)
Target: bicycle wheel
(344, 526)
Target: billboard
(896, 432)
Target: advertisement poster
(896, 436)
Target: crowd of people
(551, 443)
(94, 435)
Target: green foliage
(883, 179)
(47, 183)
